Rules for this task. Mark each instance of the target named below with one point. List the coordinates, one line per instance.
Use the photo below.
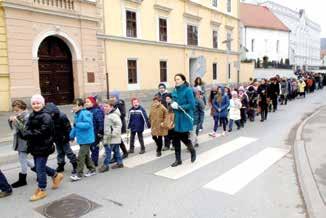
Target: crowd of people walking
(174, 117)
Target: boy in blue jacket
(137, 121)
(83, 131)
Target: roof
(260, 17)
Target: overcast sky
(315, 10)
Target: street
(246, 174)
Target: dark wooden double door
(55, 68)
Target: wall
(246, 71)
(262, 49)
(268, 73)
(4, 75)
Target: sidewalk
(310, 155)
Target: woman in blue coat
(220, 105)
(183, 106)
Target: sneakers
(104, 169)
(75, 178)
(38, 195)
(56, 181)
(223, 133)
(116, 166)
(90, 173)
(213, 134)
(5, 194)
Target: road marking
(235, 179)
(151, 156)
(205, 158)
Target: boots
(38, 195)
(21, 181)
(61, 167)
(192, 153)
(124, 150)
(131, 150)
(56, 180)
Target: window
(215, 39)
(163, 30)
(131, 24)
(229, 6)
(228, 41)
(192, 35)
(214, 3)
(229, 71)
(163, 71)
(277, 46)
(132, 72)
(214, 71)
(252, 45)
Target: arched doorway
(55, 68)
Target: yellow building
(149, 41)
(4, 73)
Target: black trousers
(264, 112)
(275, 103)
(159, 142)
(140, 138)
(177, 139)
(168, 138)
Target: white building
(304, 37)
(263, 34)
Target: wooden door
(55, 68)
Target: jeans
(159, 142)
(84, 158)
(95, 152)
(216, 122)
(140, 138)
(116, 153)
(201, 120)
(42, 171)
(237, 122)
(4, 185)
(194, 135)
(62, 151)
(24, 162)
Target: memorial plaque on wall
(90, 77)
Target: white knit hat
(37, 98)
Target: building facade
(304, 37)
(52, 49)
(148, 42)
(263, 34)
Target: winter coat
(138, 119)
(122, 108)
(39, 134)
(284, 88)
(244, 100)
(163, 98)
(83, 128)
(170, 118)
(235, 106)
(221, 108)
(199, 110)
(19, 126)
(253, 98)
(184, 96)
(301, 86)
(98, 120)
(112, 128)
(158, 119)
(263, 93)
(61, 124)
(273, 90)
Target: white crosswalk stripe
(151, 156)
(205, 158)
(235, 179)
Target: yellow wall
(148, 51)
(246, 71)
(4, 73)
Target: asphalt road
(246, 174)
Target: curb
(312, 198)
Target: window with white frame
(214, 3)
(192, 35)
(215, 39)
(163, 30)
(229, 6)
(132, 72)
(131, 24)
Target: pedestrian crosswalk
(231, 182)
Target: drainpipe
(105, 55)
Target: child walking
(158, 117)
(112, 135)
(17, 123)
(84, 133)
(40, 143)
(199, 115)
(137, 121)
(170, 123)
(235, 110)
